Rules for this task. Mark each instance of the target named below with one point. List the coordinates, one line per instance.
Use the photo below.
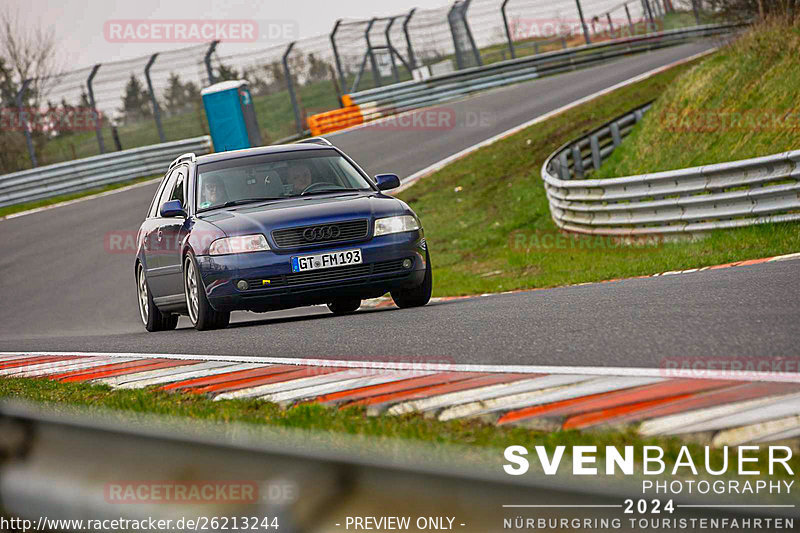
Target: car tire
(201, 314)
(152, 318)
(419, 295)
(344, 306)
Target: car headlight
(239, 245)
(385, 226)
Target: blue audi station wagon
(273, 228)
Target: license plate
(303, 263)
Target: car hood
(259, 218)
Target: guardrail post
(97, 126)
(583, 23)
(336, 55)
(412, 61)
(577, 161)
(376, 75)
(153, 100)
(508, 29)
(23, 115)
(475, 51)
(207, 60)
(290, 85)
(391, 49)
(615, 134)
(595, 144)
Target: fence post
(391, 49)
(649, 13)
(508, 29)
(583, 22)
(630, 20)
(376, 75)
(23, 115)
(153, 100)
(207, 60)
(336, 55)
(290, 85)
(411, 59)
(454, 33)
(97, 127)
(475, 51)
(696, 12)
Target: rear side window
(178, 190)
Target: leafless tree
(29, 53)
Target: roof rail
(190, 156)
(315, 140)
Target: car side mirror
(172, 209)
(387, 181)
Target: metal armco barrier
(725, 195)
(97, 171)
(372, 104)
(82, 465)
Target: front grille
(328, 275)
(345, 231)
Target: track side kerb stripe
(735, 375)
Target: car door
(173, 231)
(155, 244)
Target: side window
(166, 194)
(155, 204)
(178, 191)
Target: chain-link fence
(152, 99)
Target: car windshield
(267, 177)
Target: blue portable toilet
(231, 116)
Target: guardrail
(372, 104)
(71, 464)
(725, 195)
(96, 171)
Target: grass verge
(18, 208)
(351, 421)
(488, 222)
(738, 104)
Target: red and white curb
(386, 301)
(727, 407)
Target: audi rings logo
(321, 233)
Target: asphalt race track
(62, 290)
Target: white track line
(784, 377)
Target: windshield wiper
(325, 191)
(250, 201)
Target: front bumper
(273, 286)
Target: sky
(79, 24)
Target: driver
(299, 177)
(213, 193)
